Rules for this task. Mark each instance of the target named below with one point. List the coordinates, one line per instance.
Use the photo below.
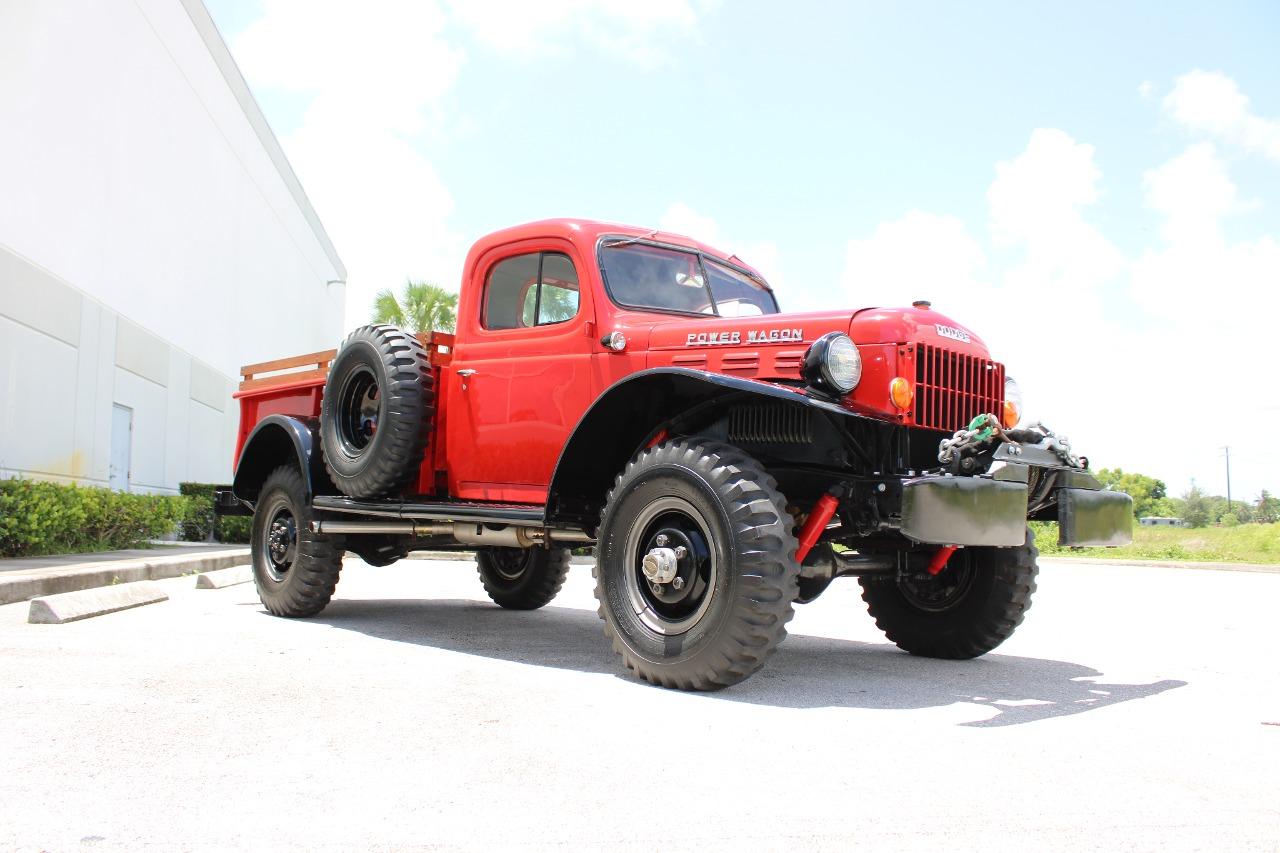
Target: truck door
(521, 370)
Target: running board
(523, 515)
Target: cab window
(642, 275)
(737, 294)
(537, 289)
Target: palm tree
(421, 307)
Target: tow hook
(940, 558)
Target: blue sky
(853, 152)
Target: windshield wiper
(627, 241)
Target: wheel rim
(676, 606)
(510, 564)
(940, 592)
(359, 409)
(281, 540)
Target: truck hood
(918, 325)
(796, 331)
(890, 340)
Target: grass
(1246, 543)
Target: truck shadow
(806, 672)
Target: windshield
(641, 275)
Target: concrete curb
(224, 577)
(86, 603)
(24, 585)
(1265, 568)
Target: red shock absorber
(940, 557)
(819, 517)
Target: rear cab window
(535, 289)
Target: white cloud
(1124, 385)
(1206, 299)
(381, 62)
(919, 256)
(1210, 102)
(641, 33)
(929, 256)
(1196, 272)
(372, 76)
(682, 219)
(1192, 192)
(1037, 202)
(384, 204)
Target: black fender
(630, 413)
(280, 440)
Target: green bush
(1230, 543)
(234, 528)
(49, 518)
(200, 517)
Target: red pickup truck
(641, 391)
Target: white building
(153, 238)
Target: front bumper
(1094, 518)
(964, 511)
(992, 510)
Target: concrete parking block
(224, 577)
(71, 572)
(85, 603)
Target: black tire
(967, 610)
(294, 569)
(376, 412)
(738, 573)
(522, 578)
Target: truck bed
(295, 386)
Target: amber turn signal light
(1011, 414)
(901, 393)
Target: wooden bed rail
(314, 367)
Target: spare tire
(376, 412)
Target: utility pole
(1227, 451)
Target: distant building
(153, 238)
(1159, 521)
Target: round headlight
(1012, 414)
(832, 364)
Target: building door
(121, 446)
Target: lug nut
(681, 552)
(657, 588)
(660, 540)
(678, 583)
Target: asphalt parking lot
(1136, 708)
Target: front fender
(281, 440)
(629, 413)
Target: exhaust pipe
(394, 528)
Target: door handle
(465, 374)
